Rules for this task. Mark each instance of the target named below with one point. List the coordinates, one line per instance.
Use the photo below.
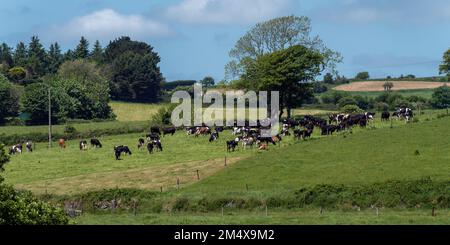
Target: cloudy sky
(193, 37)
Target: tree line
(81, 81)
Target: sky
(194, 37)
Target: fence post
(246, 187)
(178, 183)
(134, 207)
(198, 175)
(222, 210)
(266, 210)
(161, 189)
(225, 161)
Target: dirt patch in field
(150, 178)
(372, 86)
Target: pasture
(132, 112)
(373, 86)
(384, 151)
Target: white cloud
(226, 11)
(108, 24)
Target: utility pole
(49, 119)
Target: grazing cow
(218, 129)
(214, 136)
(96, 143)
(62, 143)
(155, 130)
(158, 145)
(83, 145)
(237, 130)
(153, 137)
(15, 149)
(263, 146)
(231, 145)
(369, 115)
(385, 116)
(29, 146)
(404, 112)
(266, 140)
(191, 130)
(276, 138)
(202, 131)
(248, 142)
(141, 143)
(150, 147)
(118, 150)
(170, 130)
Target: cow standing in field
(15, 149)
(96, 143)
(62, 143)
(141, 143)
(83, 145)
(170, 130)
(29, 146)
(155, 130)
(150, 147)
(231, 145)
(214, 136)
(118, 150)
(385, 116)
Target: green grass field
(131, 112)
(376, 154)
(425, 93)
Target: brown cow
(62, 143)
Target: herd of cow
(247, 136)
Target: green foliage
(362, 75)
(163, 116)
(4, 158)
(388, 86)
(35, 103)
(87, 90)
(441, 97)
(82, 49)
(181, 83)
(97, 53)
(55, 58)
(319, 88)
(275, 35)
(69, 129)
(17, 74)
(287, 71)
(333, 97)
(134, 71)
(9, 100)
(351, 109)
(37, 58)
(207, 82)
(328, 78)
(22, 208)
(20, 55)
(444, 68)
(346, 101)
(381, 106)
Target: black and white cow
(214, 136)
(96, 143)
(15, 149)
(155, 130)
(150, 147)
(118, 150)
(29, 146)
(153, 137)
(141, 143)
(83, 145)
(231, 145)
(404, 113)
(369, 115)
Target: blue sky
(193, 37)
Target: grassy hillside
(426, 93)
(127, 112)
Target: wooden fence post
(225, 161)
(178, 183)
(198, 175)
(246, 187)
(161, 189)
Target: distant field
(371, 86)
(127, 112)
(425, 93)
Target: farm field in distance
(372, 86)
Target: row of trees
(82, 81)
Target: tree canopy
(441, 97)
(274, 35)
(9, 100)
(288, 71)
(444, 68)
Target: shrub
(362, 76)
(441, 97)
(351, 109)
(381, 106)
(9, 100)
(347, 101)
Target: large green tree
(55, 58)
(9, 100)
(133, 70)
(274, 35)
(37, 58)
(444, 68)
(6, 58)
(207, 82)
(288, 71)
(87, 89)
(20, 55)
(441, 97)
(82, 49)
(97, 53)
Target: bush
(9, 100)
(333, 97)
(381, 106)
(351, 109)
(362, 76)
(69, 129)
(441, 97)
(346, 101)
